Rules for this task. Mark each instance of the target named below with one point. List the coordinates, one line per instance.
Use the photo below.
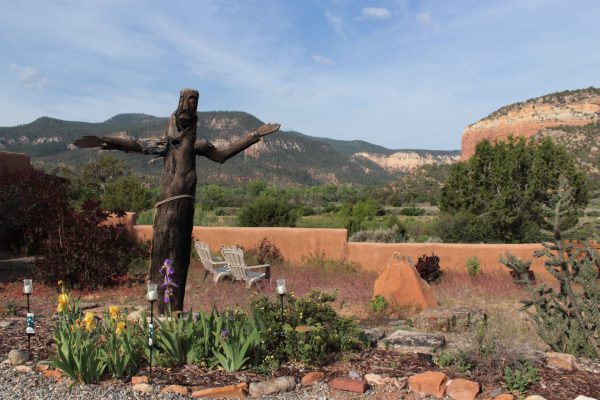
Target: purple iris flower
(167, 270)
(224, 333)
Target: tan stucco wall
(296, 243)
(453, 256)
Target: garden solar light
(152, 297)
(29, 330)
(281, 290)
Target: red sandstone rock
(527, 119)
(225, 392)
(312, 377)
(349, 385)
(430, 383)
(462, 389)
(401, 285)
(139, 379)
(504, 396)
(175, 389)
(52, 373)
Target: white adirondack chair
(218, 269)
(240, 271)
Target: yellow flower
(113, 312)
(90, 324)
(63, 301)
(60, 283)
(120, 327)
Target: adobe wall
(14, 162)
(295, 243)
(453, 256)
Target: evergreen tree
(496, 195)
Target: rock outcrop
(570, 108)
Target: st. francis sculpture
(173, 222)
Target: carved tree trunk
(175, 218)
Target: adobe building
(14, 163)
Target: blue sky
(402, 74)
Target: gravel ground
(16, 385)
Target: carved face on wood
(188, 105)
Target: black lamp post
(29, 330)
(152, 297)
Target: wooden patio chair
(218, 269)
(242, 272)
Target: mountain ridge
(287, 157)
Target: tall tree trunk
(175, 218)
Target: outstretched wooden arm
(144, 146)
(205, 148)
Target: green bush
(327, 336)
(379, 304)
(459, 360)
(518, 378)
(412, 211)
(396, 234)
(127, 193)
(267, 211)
(473, 267)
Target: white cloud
(424, 18)
(335, 22)
(29, 76)
(319, 59)
(375, 13)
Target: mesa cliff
(572, 108)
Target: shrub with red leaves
(267, 252)
(74, 246)
(30, 202)
(84, 253)
(428, 268)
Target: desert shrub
(327, 336)
(83, 252)
(473, 266)
(396, 234)
(267, 211)
(329, 264)
(379, 303)
(428, 268)
(10, 308)
(460, 360)
(568, 320)
(265, 252)
(412, 211)
(519, 377)
(30, 204)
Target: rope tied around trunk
(168, 199)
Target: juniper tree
(567, 319)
